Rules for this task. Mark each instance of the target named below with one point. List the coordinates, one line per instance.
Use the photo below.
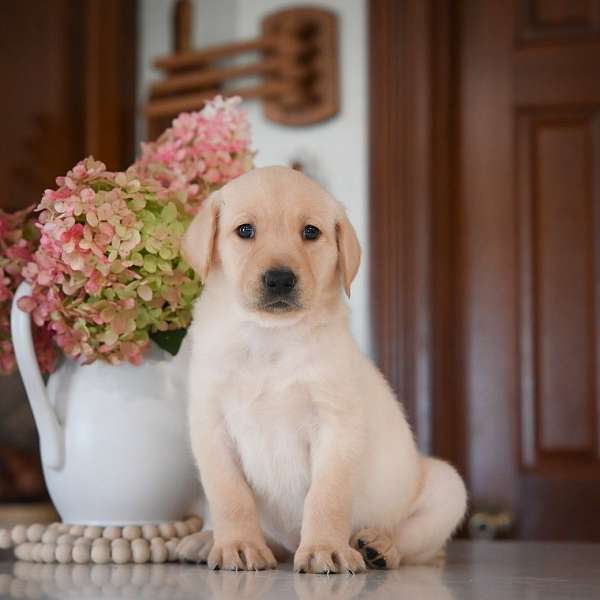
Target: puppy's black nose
(279, 281)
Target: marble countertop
(486, 570)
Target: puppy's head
(283, 244)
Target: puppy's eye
(246, 231)
(310, 232)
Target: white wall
(334, 152)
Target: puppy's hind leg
(421, 537)
(438, 510)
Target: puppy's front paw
(328, 559)
(241, 556)
(196, 547)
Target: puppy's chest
(271, 422)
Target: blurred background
(464, 139)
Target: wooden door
(68, 69)
(529, 204)
(500, 145)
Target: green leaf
(169, 340)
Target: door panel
(556, 157)
(528, 204)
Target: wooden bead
(140, 542)
(35, 532)
(112, 533)
(194, 524)
(24, 551)
(64, 553)
(171, 546)
(140, 550)
(132, 532)
(120, 551)
(51, 535)
(158, 551)
(65, 543)
(65, 538)
(6, 540)
(167, 530)
(92, 532)
(19, 534)
(81, 553)
(82, 541)
(119, 542)
(100, 553)
(101, 542)
(149, 531)
(181, 529)
(48, 553)
(36, 552)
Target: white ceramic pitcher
(113, 439)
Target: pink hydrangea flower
(18, 240)
(108, 271)
(200, 152)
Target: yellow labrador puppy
(300, 443)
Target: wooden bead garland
(80, 544)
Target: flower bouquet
(108, 273)
(108, 276)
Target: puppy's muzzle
(279, 290)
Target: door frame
(413, 100)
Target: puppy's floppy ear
(197, 246)
(348, 250)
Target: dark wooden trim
(386, 214)
(449, 413)
(412, 104)
(110, 51)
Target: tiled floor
(488, 571)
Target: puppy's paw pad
(328, 559)
(241, 556)
(377, 548)
(195, 548)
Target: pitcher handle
(49, 429)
